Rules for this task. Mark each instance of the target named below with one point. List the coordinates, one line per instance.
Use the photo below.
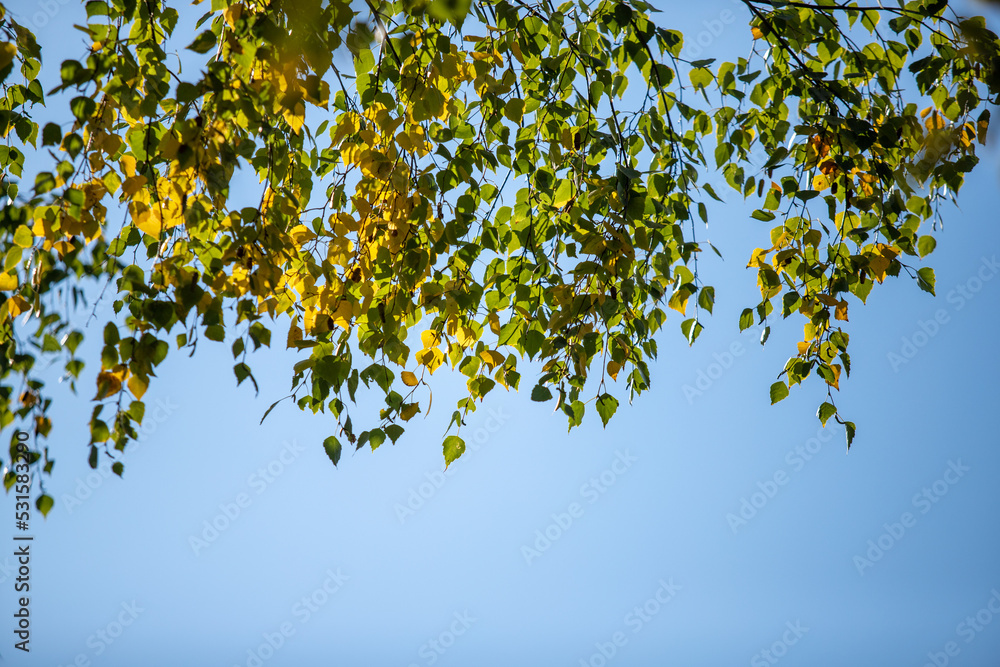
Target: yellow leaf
(827, 300)
(409, 379)
(7, 52)
(108, 384)
(491, 358)
(841, 312)
(144, 219)
(301, 235)
(408, 411)
(343, 314)
(8, 282)
(296, 116)
(137, 385)
(17, 305)
(613, 368)
(877, 266)
(820, 182)
(836, 376)
(128, 164)
(232, 14)
(679, 300)
(294, 335)
(430, 338)
(63, 248)
(466, 336)
(756, 32)
(431, 358)
(757, 258)
(803, 347)
(494, 323)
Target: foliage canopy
(460, 184)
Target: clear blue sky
(644, 559)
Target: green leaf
(454, 447)
(118, 468)
(82, 107)
(925, 279)
(926, 245)
(606, 407)
(44, 503)
(333, 449)
(849, 426)
(52, 135)
(375, 438)
(540, 393)
(826, 410)
(394, 431)
(203, 43)
(514, 110)
(215, 332)
(778, 392)
(23, 237)
(691, 328)
(268, 411)
(563, 194)
(97, 8)
(701, 77)
(243, 372)
(746, 319)
(110, 333)
(706, 298)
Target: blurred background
(703, 526)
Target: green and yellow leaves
(500, 192)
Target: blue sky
(618, 546)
